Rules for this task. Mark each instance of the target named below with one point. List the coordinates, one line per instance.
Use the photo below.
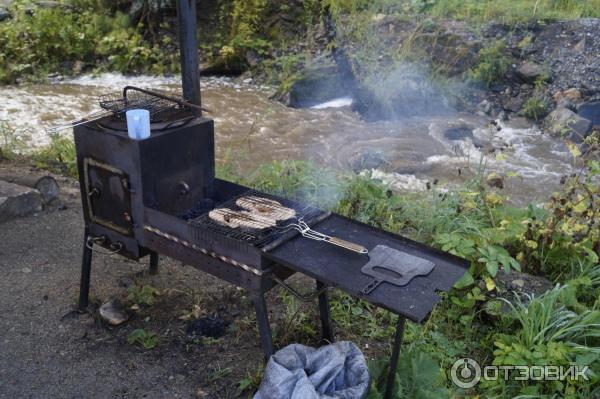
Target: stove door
(108, 196)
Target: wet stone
(458, 133)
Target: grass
(509, 11)
(492, 64)
(535, 108)
(146, 339)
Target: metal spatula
(392, 266)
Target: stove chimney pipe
(188, 49)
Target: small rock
(591, 111)
(18, 201)
(113, 313)
(529, 71)
(566, 123)
(580, 47)
(247, 81)
(495, 181)
(514, 104)
(4, 14)
(567, 98)
(252, 58)
(485, 106)
(26, 270)
(518, 283)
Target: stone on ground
(113, 313)
(18, 201)
(530, 71)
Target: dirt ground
(48, 350)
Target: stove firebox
(168, 172)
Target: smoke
(405, 91)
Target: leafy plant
(12, 142)
(58, 156)
(252, 380)
(418, 376)
(148, 340)
(492, 64)
(535, 108)
(494, 256)
(142, 295)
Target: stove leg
(389, 389)
(264, 328)
(325, 313)
(153, 268)
(86, 267)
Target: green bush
(492, 64)
(535, 108)
(64, 39)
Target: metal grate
(263, 238)
(158, 104)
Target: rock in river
(566, 123)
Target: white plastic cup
(138, 124)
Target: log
(46, 185)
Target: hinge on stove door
(302, 297)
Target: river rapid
(252, 129)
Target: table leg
(389, 389)
(153, 267)
(325, 313)
(86, 268)
(264, 328)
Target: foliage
(69, 38)
(508, 11)
(492, 64)
(550, 334)
(12, 142)
(59, 156)
(418, 376)
(252, 380)
(142, 295)
(148, 340)
(361, 318)
(535, 108)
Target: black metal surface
(153, 266)
(86, 267)
(188, 50)
(259, 238)
(264, 328)
(388, 265)
(391, 381)
(342, 269)
(106, 190)
(325, 313)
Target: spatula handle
(348, 245)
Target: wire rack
(260, 237)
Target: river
(252, 129)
